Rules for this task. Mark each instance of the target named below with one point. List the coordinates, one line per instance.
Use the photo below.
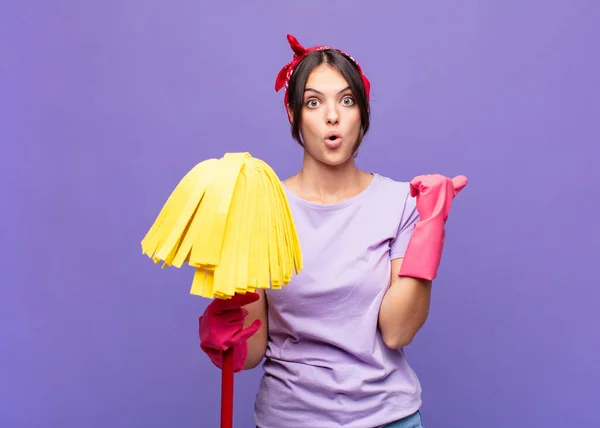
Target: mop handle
(227, 389)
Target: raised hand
(434, 196)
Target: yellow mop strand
(230, 219)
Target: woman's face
(331, 121)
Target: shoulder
(390, 182)
(393, 196)
(394, 190)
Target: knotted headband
(300, 52)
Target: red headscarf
(283, 78)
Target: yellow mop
(230, 219)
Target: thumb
(459, 182)
(243, 335)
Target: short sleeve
(406, 226)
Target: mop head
(228, 218)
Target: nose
(332, 115)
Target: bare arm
(257, 343)
(404, 308)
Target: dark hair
(347, 68)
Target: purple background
(106, 104)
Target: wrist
(424, 251)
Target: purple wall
(105, 105)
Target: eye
(312, 103)
(348, 101)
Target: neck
(330, 184)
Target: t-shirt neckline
(334, 206)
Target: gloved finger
(244, 335)
(459, 182)
(416, 185)
(414, 191)
(224, 319)
(237, 301)
(240, 353)
(234, 316)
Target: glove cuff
(424, 251)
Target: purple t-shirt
(326, 364)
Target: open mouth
(333, 140)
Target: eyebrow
(319, 92)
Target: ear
(290, 114)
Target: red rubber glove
(434, 194)
(222, 327)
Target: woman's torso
(326, 364)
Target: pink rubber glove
(435, 194)
(222, 327)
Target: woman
(333, 338)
